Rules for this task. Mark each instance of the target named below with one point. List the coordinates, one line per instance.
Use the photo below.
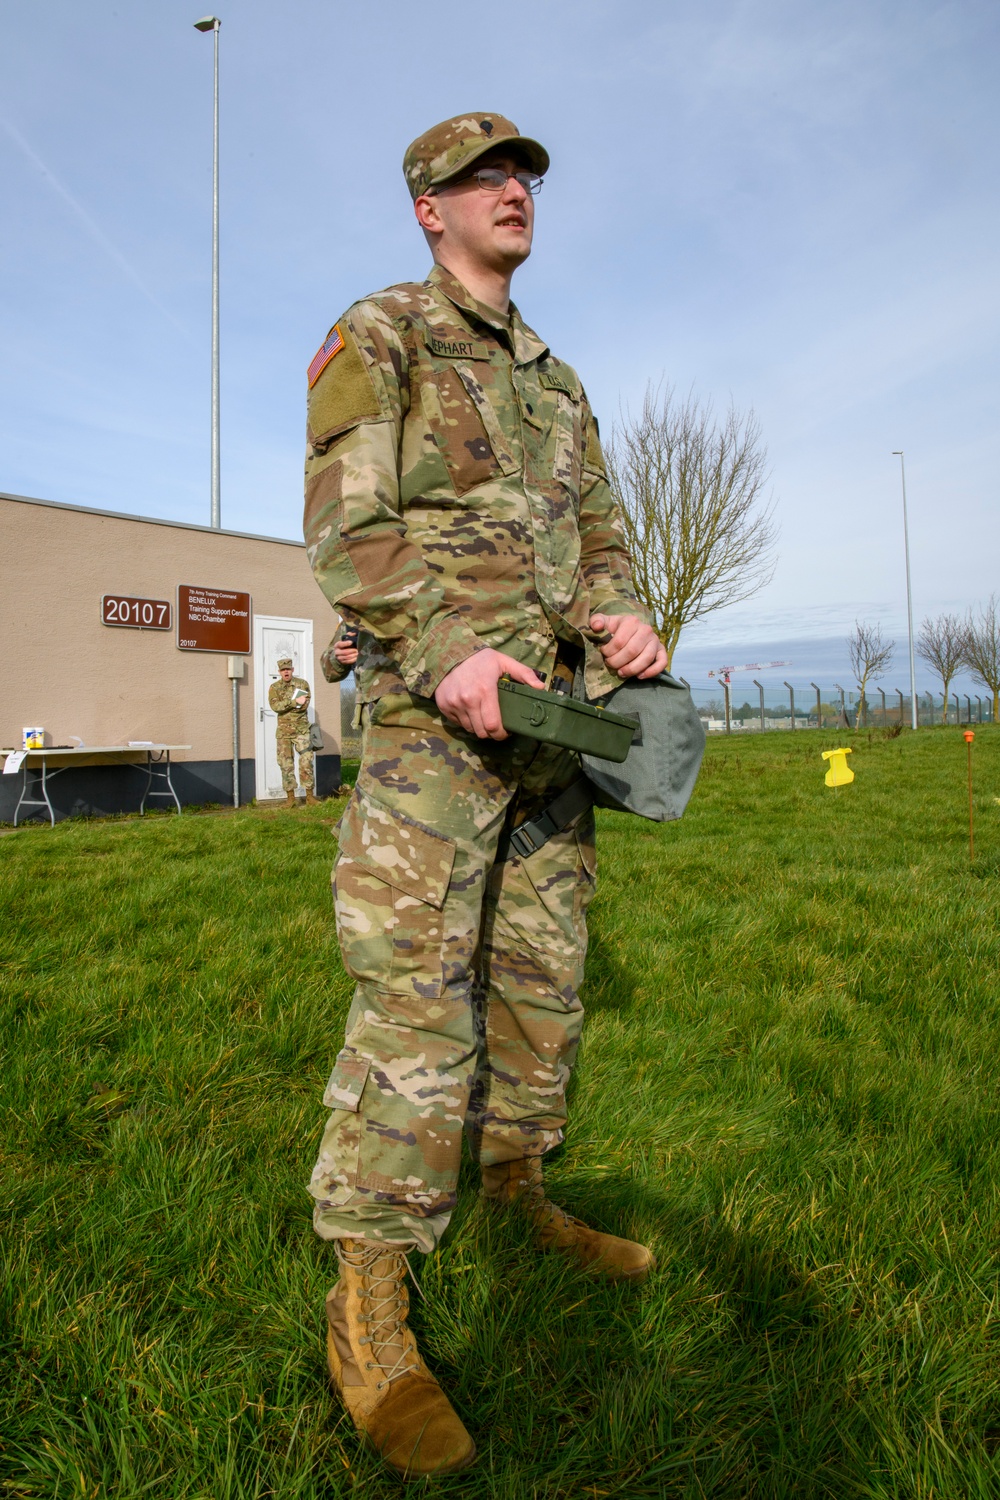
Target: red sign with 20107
(140, 614)
(213, 620)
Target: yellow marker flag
(839, 773)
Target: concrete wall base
(99, 791)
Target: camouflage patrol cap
(449, 149)
(286, 661)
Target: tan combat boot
(520, 1183)
(289, 799)
(311, 801)
(376, 1367)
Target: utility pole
(212, 23)
(898, 453)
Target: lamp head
(208, 23)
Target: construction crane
(724, 674)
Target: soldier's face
(493, 229)
(286, 674)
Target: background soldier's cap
(286, 661)
(450, 148)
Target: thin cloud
(89, 223)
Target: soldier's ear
(428, 211)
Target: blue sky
(792, 205)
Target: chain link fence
(735, 710)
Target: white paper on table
(13, 762)
(141, 744)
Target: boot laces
(536, 1201)
(386, 1321)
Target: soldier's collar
(527, 344)
(463, 298)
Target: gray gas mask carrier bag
(657, 777)
(654, 781)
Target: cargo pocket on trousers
(335, 1175)
(347, 1081)
(390, 883)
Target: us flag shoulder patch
(322, 357)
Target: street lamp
(212, 23)
(898, 453)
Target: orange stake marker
(969, 737)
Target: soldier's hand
(468, 694)
(634, 650)
(346, 654)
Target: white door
(274, 638)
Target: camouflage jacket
(292, 717)
(332, 669)
(456, 495)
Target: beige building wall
(60, 667)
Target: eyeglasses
(495, 179)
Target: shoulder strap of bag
(527, 838)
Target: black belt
(528, 837)
(568, 659)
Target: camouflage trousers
(466, 1011)
(288, 746)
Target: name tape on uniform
(457, 348)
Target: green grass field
(789, 1087)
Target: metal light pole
(898, 453)
(212, 23)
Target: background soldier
(289, 699)
(457, 506)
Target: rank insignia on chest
(322, 357)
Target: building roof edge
(120, 515)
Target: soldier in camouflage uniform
(457, 505)
(289, 699)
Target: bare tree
(981, 649)
(940, 645)
(690, 491)
(870, 656)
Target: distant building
(85, 655)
